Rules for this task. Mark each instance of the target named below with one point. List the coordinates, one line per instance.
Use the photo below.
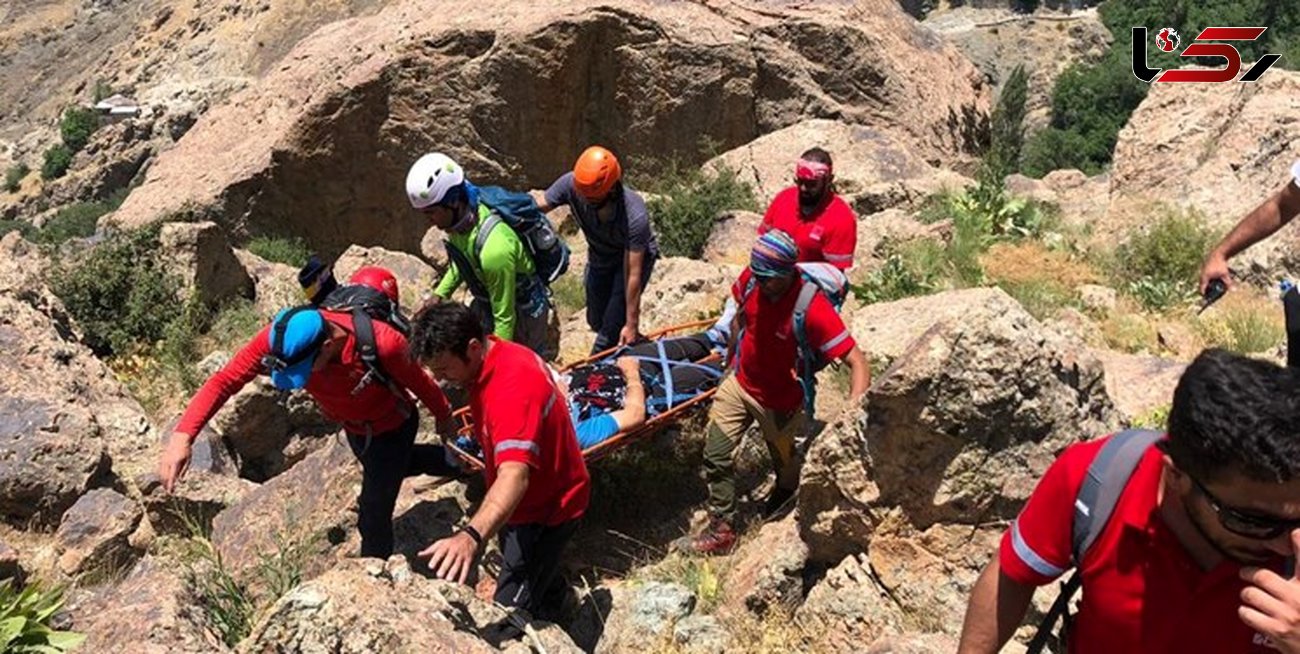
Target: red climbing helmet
(377, 278)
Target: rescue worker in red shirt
(538, 485)
(764, 388)
(316, 350)
(824, 227)
(1193, 557)
(821, 223)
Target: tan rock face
(94, 532)
(371, 606)
(361, 99)
(151, 611)
(684, 290)
(201, 256)
(959, 428)
(1219, 151)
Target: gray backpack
(1108, 474)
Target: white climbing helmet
(431, 178)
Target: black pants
(531, 564)
(389, 458)
(606, 290)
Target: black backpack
(366, 305)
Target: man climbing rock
(321, 351)
(622, 248)
(764, 388)
(538, 486)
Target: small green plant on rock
(25, 616)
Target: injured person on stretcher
(662, 374)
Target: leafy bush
(687, 200)
(905, 274)
(290, 251)
(14, 176)
(78, 124)
(1159, 265)
(25, 620)
(119, 292)
(1042, 298)
(77, 220)
(57, 160)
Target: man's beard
(808, 204)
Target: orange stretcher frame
(622, 438)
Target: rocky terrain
(295, 121)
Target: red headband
(806, 169)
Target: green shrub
(1244, 329)
(289, 251)
(687, 200)
(1159, 265)
(77, 220)
(904, 274)
(57, 160)
(1157, 418)
(14, 176)
(25, 620)
(119, 292)
(78, 124)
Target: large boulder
(1197, 146)
(767, 572)
(358, 101)
(732, 238)
(372, 606)
(311, 507)
(69, 413)
(93, 533)
(201, 256)
(960, 426)
(415, 277)
(685, 290)
(1139, 383)
(874, 169)
(152, 611)
(275, 285)
(193, 504)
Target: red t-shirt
(519, 415)
(768, 350)
(1142, 591)
(830, 235)
(332, 385)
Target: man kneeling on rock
(318, 351)
(764, 387)
(538, 486)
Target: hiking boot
(717, 538)
(778, 503)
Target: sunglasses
(1245, 523)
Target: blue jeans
(606, 290)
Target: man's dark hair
(817, 154)
(443, 327)
(1235, 413)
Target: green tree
(1007, 127)
(57, 160)
(76, 127)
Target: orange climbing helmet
(596, 172)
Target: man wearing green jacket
(507, 296)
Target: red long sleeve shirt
(332, 387)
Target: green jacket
(504, 257)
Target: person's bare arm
(997, 607)
(632, 262)
(860, 371)
(1262, 222)
(633, 413)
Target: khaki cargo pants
(732, 413)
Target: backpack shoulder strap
(364, 327)
(484, 231)
(806, 295)
(1107, 476)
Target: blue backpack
(518, 210)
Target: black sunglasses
(1244, 523)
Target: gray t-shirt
(628, 229)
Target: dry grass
(1244, 322)
(1030, 261)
